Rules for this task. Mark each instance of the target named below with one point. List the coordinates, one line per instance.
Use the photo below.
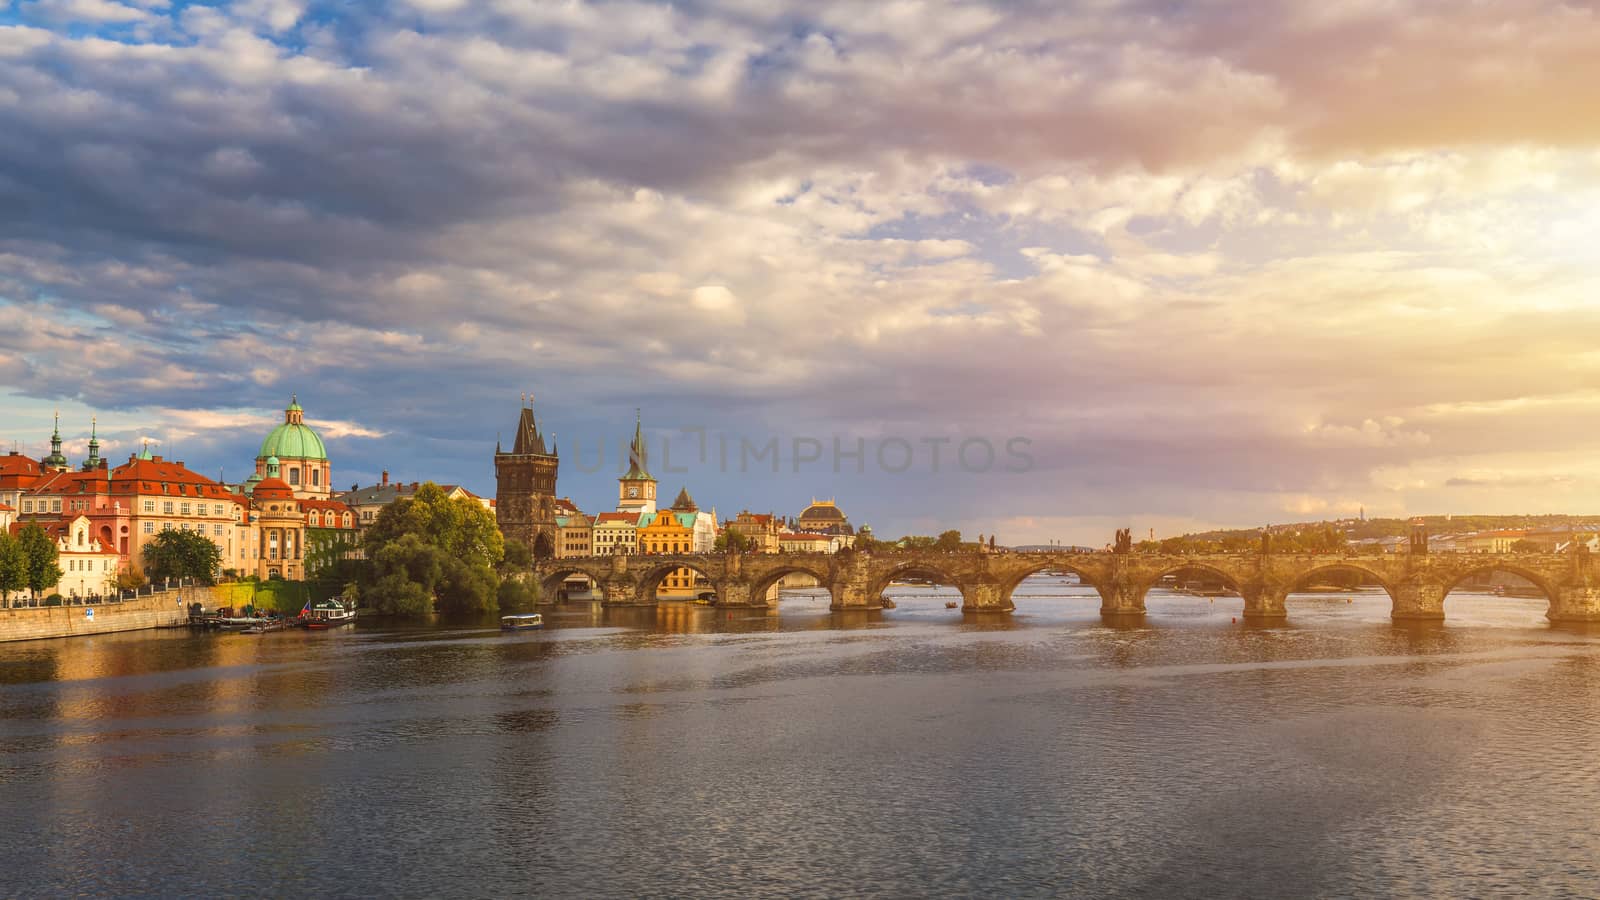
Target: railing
(149, 590)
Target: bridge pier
(1265, 603)
(985, 597)
(1575, 603)
(1121, 596)
(737, 595)
(1419, 599)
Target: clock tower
(636, 491)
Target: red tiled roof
(616, 517)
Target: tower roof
(528, 439)
(684, 502)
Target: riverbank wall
(160, 610)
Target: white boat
(521, 622)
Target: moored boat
(521, 622)
(324, 614)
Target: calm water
(698, 752)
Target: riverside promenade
(160, 608)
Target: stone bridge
(1416, 583)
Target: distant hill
(1358, 529)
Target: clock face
(633, 492)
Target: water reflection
(691, 750)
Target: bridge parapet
(1417, 584)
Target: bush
(53, 600)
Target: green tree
(182, 554)
(13, 567)
(40, 558)
(948, 541)
(1524, 546)
(730, 541)
(429, 552)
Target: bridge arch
(918, 569)
(1012, 582)
(550, 579)
(1307, 578)
(1541, 581)
(652, 572)
(760, 584)
(1221, 574)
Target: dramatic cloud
(1214, 264)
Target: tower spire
(93, 462)
(56, 460)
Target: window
(166, 507)
(166, 526)
(149, 506)
(55, 506)
(149, 527)
(216, 530)
(27, 506)
(216, 510)
(184, 508)
(316, 477)
(294, 475)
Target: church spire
(93, 462)
(637, 462)
(56, 460)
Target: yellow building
(672, 531)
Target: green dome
(292, 439)
(293, 442)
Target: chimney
(385, 478)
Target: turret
(56, 461)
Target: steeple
(684, 503)
(294, 414)
(56, 460)
(637, 467)
(93, 462)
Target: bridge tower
(525, 487)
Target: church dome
(823, 510)
(293, 439)
(272, 489)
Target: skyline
(1213, 284)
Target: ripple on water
(912, 752)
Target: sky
(1042, 269)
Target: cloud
(1211, 283)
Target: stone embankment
(159, 610)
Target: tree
(130, 578)
(13, 567)
(948, 541)
(1525, 546)
(182, 554)
(40, 558)
(428, 551)
(730, 541)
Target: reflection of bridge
(1416, 583)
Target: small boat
(521, 622)
(325, 614)
(951, 604)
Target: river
(690, 751)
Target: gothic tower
(525, 488)
(636, 489)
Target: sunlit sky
(1219, 264)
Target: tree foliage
(40, 559)
(730, 541)
(13, 567)
(429, 552)
(182, 554)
